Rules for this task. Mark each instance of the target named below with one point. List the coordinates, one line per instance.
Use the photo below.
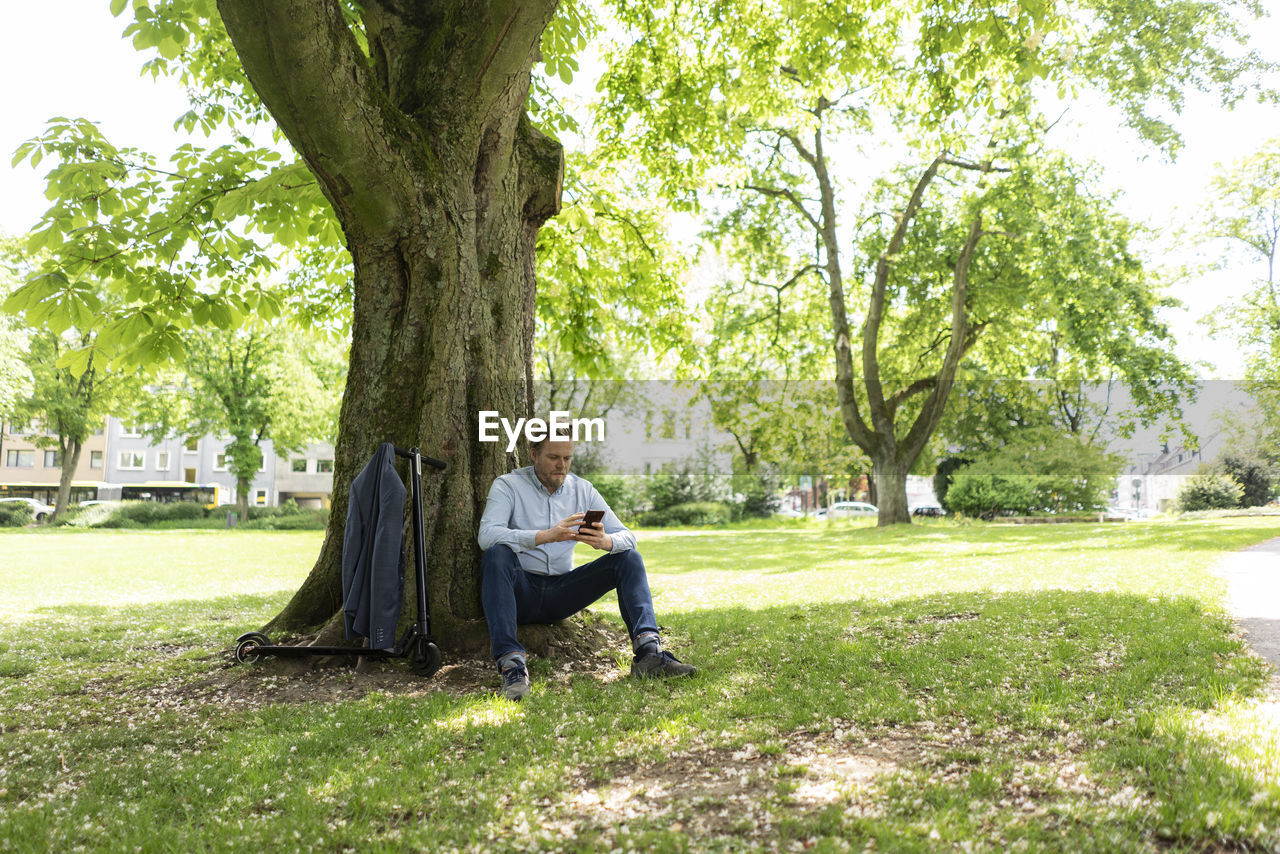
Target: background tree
(251, 383)
(763, 364)
(70, 404)
(770, 109)
(15, 376)
(1245, 222)
(69, 384)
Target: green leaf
(117, 6)
(75, 362)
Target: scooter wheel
(248, 650)
(426, 659)
(261, 639)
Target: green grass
(1072, 687)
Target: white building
(195, 468)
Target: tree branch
(985, 166)
(307, 68)
(789, 196)
(881, 416)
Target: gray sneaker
(662, 663)
(515, 682)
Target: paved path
(1253, 598)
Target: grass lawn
(985, 688)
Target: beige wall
(38, 472)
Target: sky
(95, 74)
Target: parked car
(932, 510)
(39, 510)
(852, 509)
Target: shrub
(1252, 475)
(1064, 473)
(986, 495)
(622, 492)
(302, 520)
(758, 503)
(154, 511)
(1209, 491)
(15, 514)
(144, 513)
(691, 513)
(943, 476)
(87, 517)
(115, 520)
(69, 516)
(668, 489)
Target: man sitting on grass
(531, 523)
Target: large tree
(412, 140)
(790, 108)
(439, 181)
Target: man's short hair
(537, 446)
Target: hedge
(15, 514)
(691, 513)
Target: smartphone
(591, 518)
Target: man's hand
(565, 529)
(595, 536)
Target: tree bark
(71, 449)
(889, 478)
(440, 184)
(242, 498)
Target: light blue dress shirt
(519, 506)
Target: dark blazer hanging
(373, 552)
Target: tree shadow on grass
(411, 764)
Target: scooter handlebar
(431, 461)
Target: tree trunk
(440, 183)
(70, 462)
(242, 498)
(890, 480)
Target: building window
(131, 461)
(162, 460)
(20, 459)
(298, 465)
(95, 459)
(192, 445)
(53, 459)
(324, 466)
(260, 498)
(220, 462)
(130, 429)
(668, 429)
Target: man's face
(551, 463)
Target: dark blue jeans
(513, 597)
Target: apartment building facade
(121, 462)
(30, 471)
